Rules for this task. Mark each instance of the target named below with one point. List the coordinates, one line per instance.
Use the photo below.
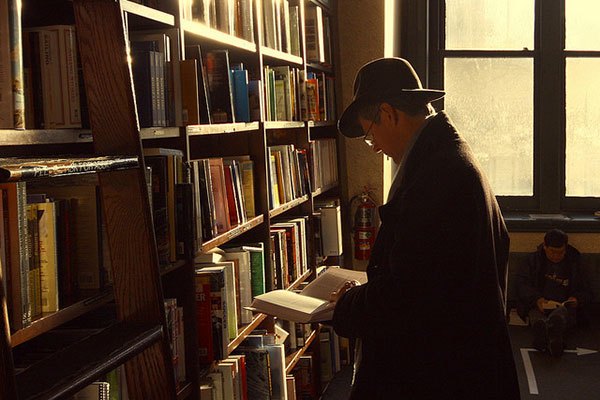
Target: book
(257, 265)
(195, 52)
(48, 256)
(245, 281)
(217, 177)
(17, 169)
(552, 304)
(218, 75)
(12, 106)
(94, 391)
(189, 92)
(213, 279)
(312, 303)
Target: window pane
(583, 122)
(581, 25)
(491, 102)
(489, 24)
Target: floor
(574, 376)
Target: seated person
(552, 273)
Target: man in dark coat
(553, 274)
(431, 319)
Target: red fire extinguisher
(364, 225)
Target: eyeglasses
(368, 138)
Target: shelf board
(280, 55)
(19, 137)
(320, 124)
(320, 67)
(227, 236)
(213, 129)
(147, 12)
(287, 206)
(172, 267)
(283, 124)
(159, 132)
(53, 320)
(199, 29)
(323, 189)
(185, 391)
(245, 331)
(292, 359)
(74, 367)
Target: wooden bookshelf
(149, 13)
(287, 206)
(292, 359)
(159, 132)
(214, 129)
(324, 189)
(280, 56)
(185, 391)
(172, 267)
(245, 331)
(215, 36)
(284, 124)
(227, 236)
(321, 124)
(53, 320)
(20, 137)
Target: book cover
(256, 100)
(232, 204)
(241, 99)
(315, 45)
(230, 293)
(247, 174)
(331, 231)
(189, 93)
(277, 361)
(258, 377)
(218, 309)
(195, 52)
(217, 67)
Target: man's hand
(572, 302)
(540, 304)
(335, 296)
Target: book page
(288, 305)
(331, 280)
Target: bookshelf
(142, 280)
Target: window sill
(536, 222)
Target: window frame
(422, 40)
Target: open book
(312, 303)
(551, 304)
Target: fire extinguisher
(364, 225)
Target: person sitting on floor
(551, 287)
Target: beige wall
(360, 32)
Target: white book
(245, 277)
(277, 360)
(312, 303)
(218, 390)
(331, 231)
(227, 370)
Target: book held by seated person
(312, 303)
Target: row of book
(234, 17)
(53, 246)
(41, 81)
(318, 36)
(176, 334)
(289, 174)
(281, 29)
(223, 194)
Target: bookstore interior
(170, 222)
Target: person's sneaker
(540, 335)
(556, 329)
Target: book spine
(69, 71)
(23, 252)
(207, 347)
(48, 260)
(6, 91)
(17, 78)
(258, 273)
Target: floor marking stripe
(533, 389)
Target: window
(523, 87)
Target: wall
(360, 29)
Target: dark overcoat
(431, 318)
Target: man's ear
(389, 112)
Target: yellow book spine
(48, 256)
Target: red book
(231, 205)
(217, 177)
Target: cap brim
(348, 123)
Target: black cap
(382, 79)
